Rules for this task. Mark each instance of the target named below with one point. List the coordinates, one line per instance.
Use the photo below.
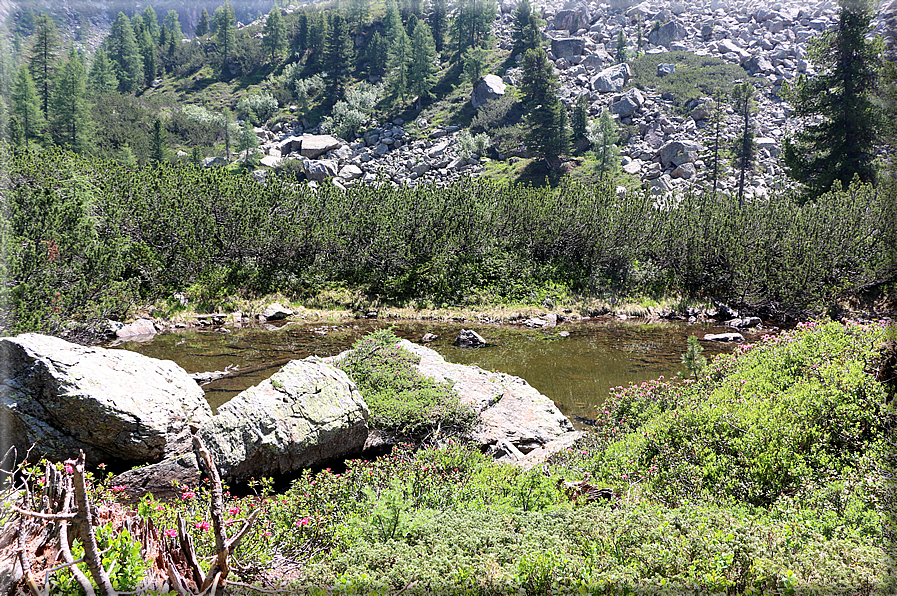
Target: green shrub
(402, 400)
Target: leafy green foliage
(121, 559)
(401, 399)
(693, 357)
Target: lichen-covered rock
(307, 413)
(510, 409)
(116, 405)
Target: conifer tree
(102, 76)
(122, 49)
(580, 119)
(359, 13)
(471, 24)
(622, 54)
(397, 64)
(603, 137)
(841, 143)
(151, 23)
(158, 148)
(525, 28)
(226, 32)
(173, 22)
(300, 36)
(438, 21)
(338, 56)
(376, 54)
(26, 106)
(202, 27)
(274, 37)
(392, 21)
(43, 58)
(227, 118)
(715, 153)
(474, 64)
(743, 99)
(71, 123)
(423, 68)
(148, 53)
(318, 31)
(547, 136)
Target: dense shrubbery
(767, 476)
(402, 401)
(142, 234)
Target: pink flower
(189, 494)
(203, 526)
(266, 533)
(119, 488)
(302, 522)
(171, 532)
(69, 469)
(234, 510)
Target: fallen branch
(84, 520)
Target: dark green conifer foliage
(622, 53)
(743, 150)
(148, 53)
(471, 24)
(580, 117)
(376, 54)
(43, 58)
(102, 76)
(300, 36)
(202, 27)
(338, 56)
(842, 143)
(359, 13)
(71, 124)
(275, 36)
(438, 21)
(174, 24)
(123, 50)
(715, 153)
(26, 106)
(151, 23)
(318, 31)
(526, 28)
(397, 65)
(423, 67)
(547, 136)
(159, 147)
(226, 33)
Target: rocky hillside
(663, 138)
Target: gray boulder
(214, 162)
(276, 312)
(568, 47)
(116, 405)
(686, 171)
(668, 33)
(139, 328)
(631, 101)
(665, 69)
(490, 87)
(572, 20)
(307, 413)
(723, 337)
(676, 153)
(511, 411)
(612, 79)
(320, 169)
(350, 172)
(314, 145)
(467, 338)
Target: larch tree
(843, 122)
(151, 23)
(438, 21)
(202, 27)
(274, 36)
(397, 63)
(26, 106)
(122, 48)
(43, 58)
(70, 123)
(226, 32)
(173, 22)
(102, 77)
(547, 137)
(423, 67)
(744, 149)
(338, 56)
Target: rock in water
(468, 338)
(307, 413)
(116, 405)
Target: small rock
(723, 337)
(468, 338)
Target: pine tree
(227, 118)
(122, 49)
(148, 53)
(26, 106)
(622, 54)
(743, 99)
(392, 22)
(338, 56)
(173, 22)
(397, 64)
(423, 68)
(438, 21)
(841, 144)
(102, 76)
(359, 13)
(202, 27)
(525, 28)
(715, 153)
(547, 136)
(300, 37)
(151, 23)
(603, 137)
(158, 151)
(474, 64)
(275, 37)
(580, 119)
(226, 32)
(376, 53)
(248, 144)
(318, 30)
(43, 58)
(471, 25)
(71, 123)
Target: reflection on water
(575, 371)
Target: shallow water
(575, 371)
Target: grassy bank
(769, 474)
(86, 239)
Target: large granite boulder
(118, 406)
(676, 153)
(612, 79)
(568, 47)
(631, 101)
(315, 145)
(667, 34)
(572, 20)
(307, 413)
(488, 88)
(320, 169)
(511, 411)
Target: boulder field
(126, 410)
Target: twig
(189, 552)
(25, 560)
(66, 553)
(85, 523)
(38, 514)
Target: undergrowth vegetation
(84, 239)
(768, 475)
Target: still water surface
(575, 371)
